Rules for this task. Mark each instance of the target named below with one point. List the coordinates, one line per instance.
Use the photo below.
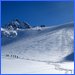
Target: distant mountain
(15, 24)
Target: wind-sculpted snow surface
(47, 44)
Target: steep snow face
(45, 44)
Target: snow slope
(18, 66)
(45, 44)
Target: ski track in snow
(44, 67)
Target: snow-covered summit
(10, 29)
(15, 24)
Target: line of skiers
(14, 56)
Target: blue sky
(38, 13)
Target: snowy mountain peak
(15, 24)
(10, 29)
